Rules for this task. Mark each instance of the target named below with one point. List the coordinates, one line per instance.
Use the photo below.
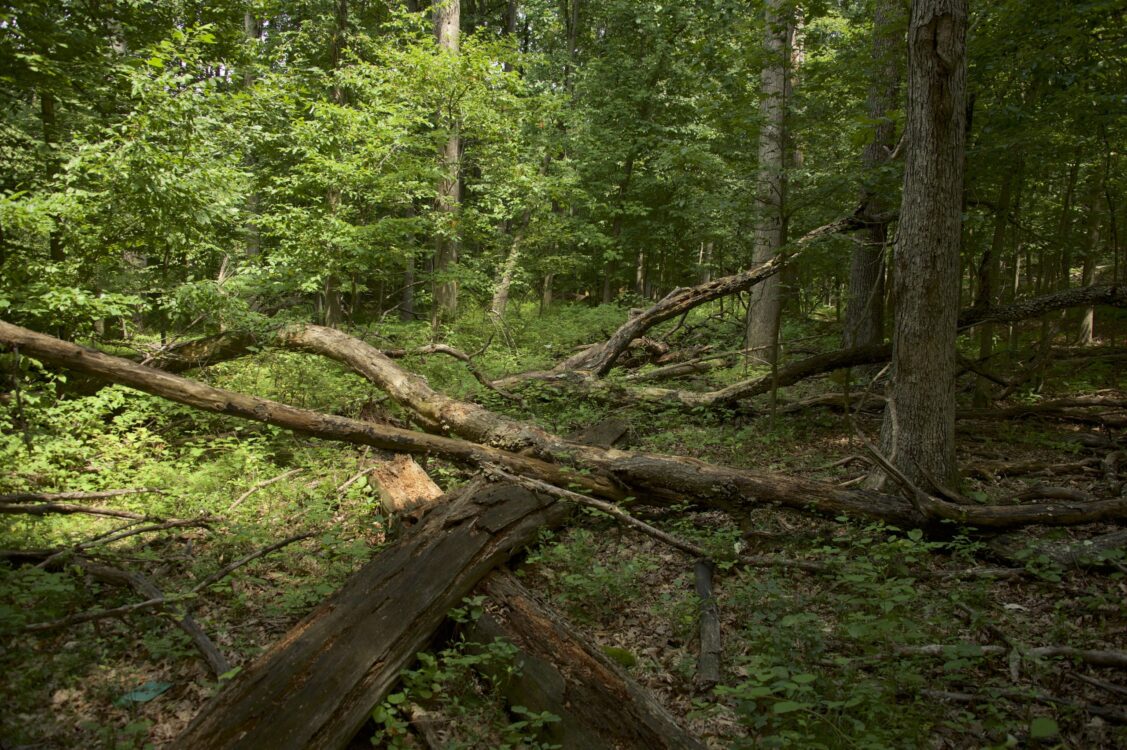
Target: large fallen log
(607, 473)
(599, 705)
(315, 687)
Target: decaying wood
(708, 662)
(1094, 552)
(600, 706)
(606, 473)
(991, 470)
(315, 687)
(402, 484)
(50, 497)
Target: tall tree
(766, 299)
(919, 422)
(447, 20)
(864, 312)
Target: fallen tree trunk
(599, 705)
(1085, 296)
(607, 473)
(315, 687)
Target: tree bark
(766, 299)
(599, 705)
(315, 687)
(988, 273)
(864, 311)
(447, 20)
(918, 432)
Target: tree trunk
(864, 312)
(447, 20)
(599, 705)
(988, 281)
(501, 293)
(918, 433)
(766, 299)
(315, 687)
(1087, 320)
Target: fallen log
(606, 473)
(599, 705)
(708, 662)
(315, 687)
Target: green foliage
(463, 681)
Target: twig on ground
(226, 570)
(264, 483)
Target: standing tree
(447, 20)
(918, 434)
(766, 300)
(864, 312)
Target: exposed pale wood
(403, 485)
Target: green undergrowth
(811, 659)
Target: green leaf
(786, 707)
(1043, 727)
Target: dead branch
(611, 510)
(230, 568)
(1107, 659)
(47, 509)
(991, 470)
(50, 497)
(264, 483)
(1113, 714)
(144, 587)
(1113, 296)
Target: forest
(572, 374)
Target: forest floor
(829, 655)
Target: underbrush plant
(588, 585)
(464, 683)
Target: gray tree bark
(918, 433)
(447, 20)
(766, 299)
(864, 311)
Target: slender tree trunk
(864, 312)
(1091, 254)
(763, 310)
(331, 296)
(447, 20)
(501, 292)
(918, 433)
(988, 281)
